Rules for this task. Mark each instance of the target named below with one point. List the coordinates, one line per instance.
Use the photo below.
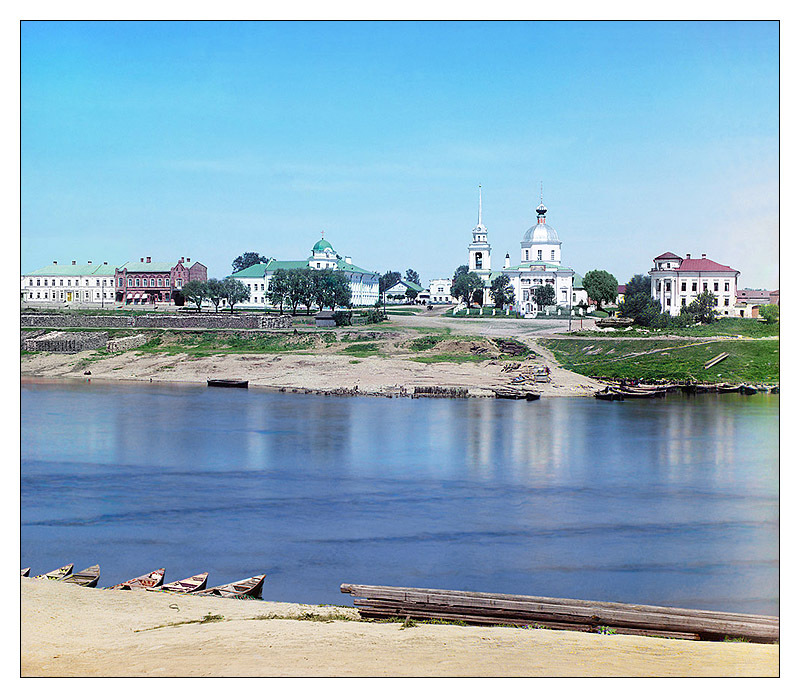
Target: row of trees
(232, 291)
(325, 288)
(467, 286)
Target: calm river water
(669, 502)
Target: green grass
(362, 349)
(725, 327)
(476, 314)
(428, 341)
(450, 358)
(681, 359)
(206, 343)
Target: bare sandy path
(73, 631)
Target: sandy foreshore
(74, 631)
(317, 372)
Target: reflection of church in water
(540, 263)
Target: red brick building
(145, 281)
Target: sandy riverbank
(72, 631)
(372, 375)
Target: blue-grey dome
(542, 233)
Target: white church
(540, 263)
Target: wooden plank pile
(716, 359)
(482, 608)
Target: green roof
(274, 264)
(344, 266)
(577, 280)
(548, 266)
(74, 270)
(254, 272)
(322, 245)
(155, 267)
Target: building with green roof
(363, 282)
(60, 284)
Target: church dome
(322, 245)
(541, 232)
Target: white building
(69, 284)
(363, 283)
(540, 263)
(439, 290)
(676, 281)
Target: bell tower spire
(480, 206)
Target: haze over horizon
(209, 139)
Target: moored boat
(146, 581)
(725, 388)
(56, 575)
(25, 571)
(85, 578)
(748, 390)
(226, 383)
(609, 394)
(635, 394)
(248, 588)
(530, 397)
(188, 585)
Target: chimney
(105, 262)
(54, 262)
(89, 262)
(182, 260)
(148, 260)
(703, 255)
(141, 259)
(74, 262)
(688, 256)
(188, 259)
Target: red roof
(704, 264)
(668, 255)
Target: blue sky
(210, 139)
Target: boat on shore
(85, 578)
(146, 581)
(609, 394)
(226, 383)
(633, 392)
(245, 588)
(748, 390)
(25, 571)
(186, 586)
(725, 388)
(56, 575)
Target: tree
(387, 280)
(601, 286)
(641, 307)
(330, 288)
(770, 313)
(247, 259)
(195, 292)
(639, 283)
(412, 276)
(279, 288)
(411, 294)
(544, 295)
(502, 292)
(702, 309)
(234, 291)
(299, 289)
(216, 292)
(463, 269)
(465, 286)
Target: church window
(526, 255)
(538, 255)
(478, 260)
(552, 255)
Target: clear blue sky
(210, 139)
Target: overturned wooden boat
(725, 388)
(608, 394)
(56, 575)
(244, 588)
(146, 581)
(748, 390)
(226, 383)
(188, 585)
(85, 578)
(25, 571)
(530, 397)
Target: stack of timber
(515, 394)
(479, 608)
(436, 391)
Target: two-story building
(676, 281)
(149, 282)
(69, 284)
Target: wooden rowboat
(249, 588)
(748, 390)
(56, 575)
(85, 578)
(146, 581)
(628, 393)
(224, 383)
(728, 388)
(188, 585)
(25, 571)
(608, 394)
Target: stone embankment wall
(126, 343)
(66, 342)
(222, 321)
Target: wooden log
(716, 360)
(529, 609)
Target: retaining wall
(66, 342)
(223, 321)
(125, 343)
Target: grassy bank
(726, 327)
(680, 359)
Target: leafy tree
(702, 309)
(195, 292)
(412, 276)
(463, 269)
(601, 286)
(330, 288)
(639, 283)
(279, 288)
(299, 289)
(641, 307)
(502, 292)
(234, 291)
(411, 294)
(387, 280)
(216, 292)
(769, 312)
(544, 295)
(247, 259)
(465, 286)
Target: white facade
(439, 290)
(69, 284)
(677, 281)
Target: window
(694, 287)
(138, 282)
(69, 282)
(45, 282)
(526, 255)
(160, 281)
(727, 286)
(262, 287)
(38, 282)
(130, 281)
(538, 255)
(683, 300)
(120, 281)
(658, 286)
(37, 294)
(668, 301)
(683, 285)
(716, 286)
(98, 282)
(30, 282)
(667, 285)
(727, 300)
(705, 287)
(552, 255)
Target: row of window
(138, 281)
(59, 295)
(668, 286)
(43, 282)
(539, 255)
(538, 281)
(720, 301)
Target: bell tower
(480, 251)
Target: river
(669, 502)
